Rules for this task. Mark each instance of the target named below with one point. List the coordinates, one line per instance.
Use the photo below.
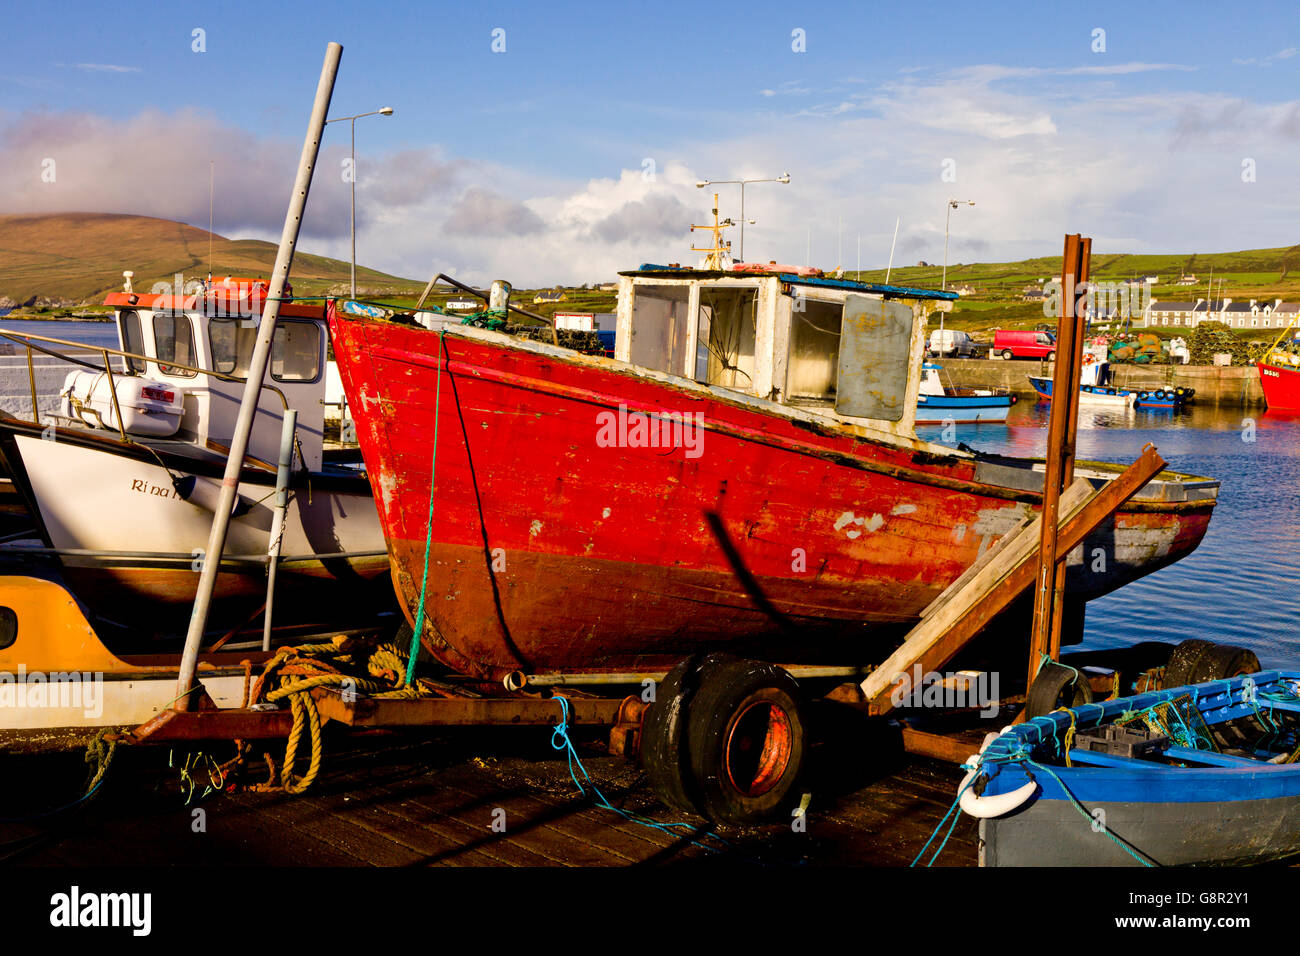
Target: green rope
(1105, 830)
(492, 319)
(428, 536)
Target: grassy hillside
(80, 256)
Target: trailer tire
(1054, 687)
(663, 735)
(747, 741)
(1183, 661)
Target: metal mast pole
(256, 372)
(352, 216)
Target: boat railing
(29, 340)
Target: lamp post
(783, 178)
(352, 120)
(952, 204)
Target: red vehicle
(1024, 343)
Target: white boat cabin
(215, 332)
(849, 351)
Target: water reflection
(1242, 585)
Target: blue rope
(428, 535)
(49, 813)
(942, 822)
(1088, 816)
(560, 741)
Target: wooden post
(1067, 453)
(1061, 431)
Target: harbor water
(1242, 585)
(15, 383)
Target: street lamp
(783, 178)
(386, 111)
(952, 204)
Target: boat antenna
(891, 249)
(714, 253)
(212, 165)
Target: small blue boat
(1194, 775)
(1096, 390)
(939, 403)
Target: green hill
(79, 257)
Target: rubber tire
(1220, 661)
(664, 751)
(1050, 685)
(1051, 356)
(727, 692)
(1007, 354)
(1183, 661)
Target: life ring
(1089, 358)
(983, 808)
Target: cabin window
(814, 350)
(724, 353)
(232, 346)
(132, 340)
(173, 341)
(295, 351)
(659, 328)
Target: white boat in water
(1093, 389)
(122, 478)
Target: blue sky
(574, 152)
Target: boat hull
(1281, 386)
(1210, 832)
(962, 409)
(1088, 395)
(561, 539)
(130, 548)
(1196, 807)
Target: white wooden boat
(122, 497)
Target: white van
(951, 342)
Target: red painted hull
(1281, 387)
(550, 551)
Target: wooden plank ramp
(967, 595)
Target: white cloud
(105, 68)
(1043, 151)
(1266, 60)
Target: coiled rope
(341, 662)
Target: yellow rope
(1069, 734)
(318, 665)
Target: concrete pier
(1236, 386)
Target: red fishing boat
(1281, 385)
(743, 474)
(1279, 372)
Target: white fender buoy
(986, 807)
